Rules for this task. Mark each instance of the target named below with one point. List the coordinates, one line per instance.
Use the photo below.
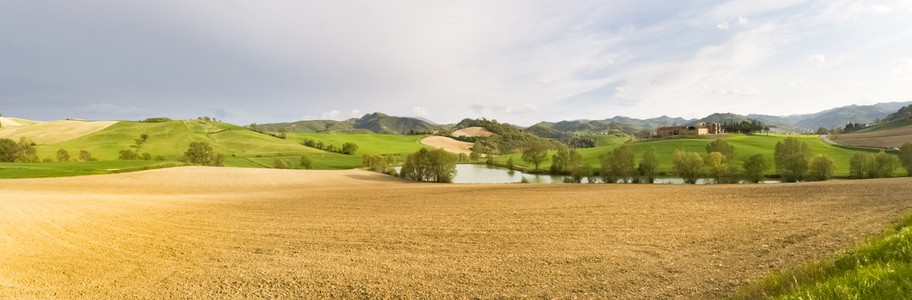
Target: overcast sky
(515, 61)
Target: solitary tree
(63, 155)
(905, 157)
(281, 163)
(649, 163)
(792, 158)
(202, 154)
(688, 165)
(305, 162)
(716, 166)
(535, 153)
(623, 164)
(510, 164)
(85, 155)
(754, 167)
(821, 167)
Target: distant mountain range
(385, 124)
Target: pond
(479, 173)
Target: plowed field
(197, 232)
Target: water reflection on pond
(479, 173)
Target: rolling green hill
(745, 146)
(369, 123)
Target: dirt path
(448, 144)
(231, 232)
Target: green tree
(63, 155)
(580, 172)
(305, 162)
(688, 165)
(146, 156)
(26, 151)
(821, 167)
(622, 163)
(722, 147)
(510, 164)
(649, 165)
(281, 163)
(792, 157)
(535, 153)
(565, 160)
(85, 155)
(884, 164)
(349, 148)
(430, 165)
(9, 150)
(717, 166)
(201, 153)
(861, 165)
(905, 157)
(755, 167)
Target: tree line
(793, 161)
(347, 148)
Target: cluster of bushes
(506, 138)
(429, 165)
(23, 151)
(128, 154)
(156, 120)
(282, 163)
(347, 148)
(380, 163)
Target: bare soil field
(448, 144)
(49, 132)
(473, 131)
(894, 137)
(196, 232)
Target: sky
(515, 61)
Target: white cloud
(902, 65)
(742, 21)
(522, 110)
(420, 111)
(723, 25)
(331, 115)
(355, 113)
(817, 59)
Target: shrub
(821, 168)
(792, 159)
(861, 165)
(905, 157)
(716, 166)
(128, 155)
(85, 155)
(63, 155)
(281, 163)
(349, 148)
(688, 165)
(156, 120)
(510, 164)
(883, 166)
(648, 165)
(754, 167)
(430, 165)
(306, 163)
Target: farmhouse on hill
(700, 129)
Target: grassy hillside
(879, 268)
(745, 146)
(168, 141)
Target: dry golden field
(198, 232)
(49, 132)
(894, 137)
(449, 144)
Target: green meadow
(745, 147)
